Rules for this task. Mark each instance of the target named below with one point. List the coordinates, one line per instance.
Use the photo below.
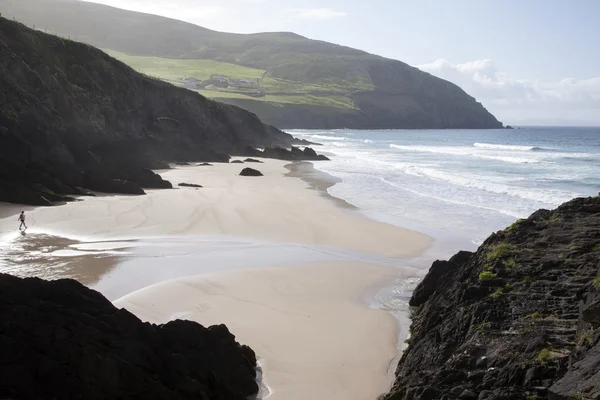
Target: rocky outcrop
(236, 162)
(250, 172)
(72, 117)
(518, 319)
(191, 185)
(61, 340)
(435, 276)
(582, 380)
(294, 154)
(252, 160)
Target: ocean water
(463, 184)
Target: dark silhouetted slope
(61, 340)
(72, 117)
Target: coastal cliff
(61, 340)
(301, 83)
(517, 319)
(74, 119)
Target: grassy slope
(390, 93)
(277, 90)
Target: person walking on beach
(22, 219)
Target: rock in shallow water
(61, 340)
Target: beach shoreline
(264, 230)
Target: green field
(177, 69)
(276, 90)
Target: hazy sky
(527, 61)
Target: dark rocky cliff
(61, 340)
(518, 319)
(72, 117)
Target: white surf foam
(516, 158)
(328, 137)
(510, 213)
(552, 197)
(505, 147)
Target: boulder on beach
(252, 160)
(62, 340)
(145, 177)
(100, 183)
(192, 185)
(237, 162)
(250, 172)
(205, 164)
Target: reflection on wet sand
(54, 257)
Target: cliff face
(72, 117)
(518, 319)
(61, 340)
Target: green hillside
(242, 82)
(286, 79)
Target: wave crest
(493, 146)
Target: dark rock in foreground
(294, 154)
(193, 185)
(250, 172)
(518, 319)
(61, 340)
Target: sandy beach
(318, 340)
(289, 269)
(267, 207)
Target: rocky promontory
(517, 319)
(61, 340)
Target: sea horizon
(474, 181)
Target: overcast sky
(527, 61)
